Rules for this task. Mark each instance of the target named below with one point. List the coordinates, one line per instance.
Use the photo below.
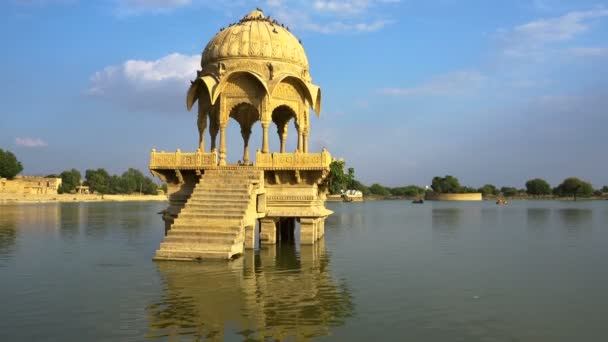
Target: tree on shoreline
(538, 187)
(101, 182)
(407, 191)
(446, 185)
(380, 190)
(574, 187)
(9, 165)
(98, 181)
(70, 179)
(508, 191)
(488, 189)
(338, 180)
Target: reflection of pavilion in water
(274, 294)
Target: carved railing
(180, 161)
(293, 160)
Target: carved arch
(206, 84)
(302, 85)
(283, 113)
(226, 80)
(291, 105)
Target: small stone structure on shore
(30, 185)
(252, 71)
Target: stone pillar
(268, 231)
(305, 142)
(223, 143)
(202, 126)
(299, 139)
(265, 126)
(213, 130)
(246, 134)
(250, 237)
(282, 130)
(308, 228)
(321, 228)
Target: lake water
(386, 270)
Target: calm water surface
(389, 270)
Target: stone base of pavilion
(214, 209)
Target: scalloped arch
(280, 78)
(226, 79)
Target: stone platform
(215, 211)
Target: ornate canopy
(255, 70)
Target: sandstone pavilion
(256, 72)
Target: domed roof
(255, 36)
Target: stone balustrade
(182, 161)
(296, 160)
(200, 160)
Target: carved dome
(255, 36)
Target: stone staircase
(212, 223)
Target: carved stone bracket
(179, 176)
(159, 175)
(298, 177)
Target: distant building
(30, 185)
(82, 190)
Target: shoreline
(514, 198)
(76, 198)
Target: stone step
(218, 205)
(232, 196)
(203, 240)
(206, 189)
(208, 221)
(221, 186)
(208, 227)
(214, 211)
(228, 201)
(234, 180)
(202, 233)
(216, 247)
(211, 214)
(227, 180)
(192, 255)
(232, 172)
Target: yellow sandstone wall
(28, 185)
(431, 196)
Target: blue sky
(488, 91)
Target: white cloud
(321, 16)
(340, 27)
(560, 28)
(30, 142)
(451, 84)
(352, 6)
(347, 6)
(330, 17)
(532, 38)
(158, 85)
